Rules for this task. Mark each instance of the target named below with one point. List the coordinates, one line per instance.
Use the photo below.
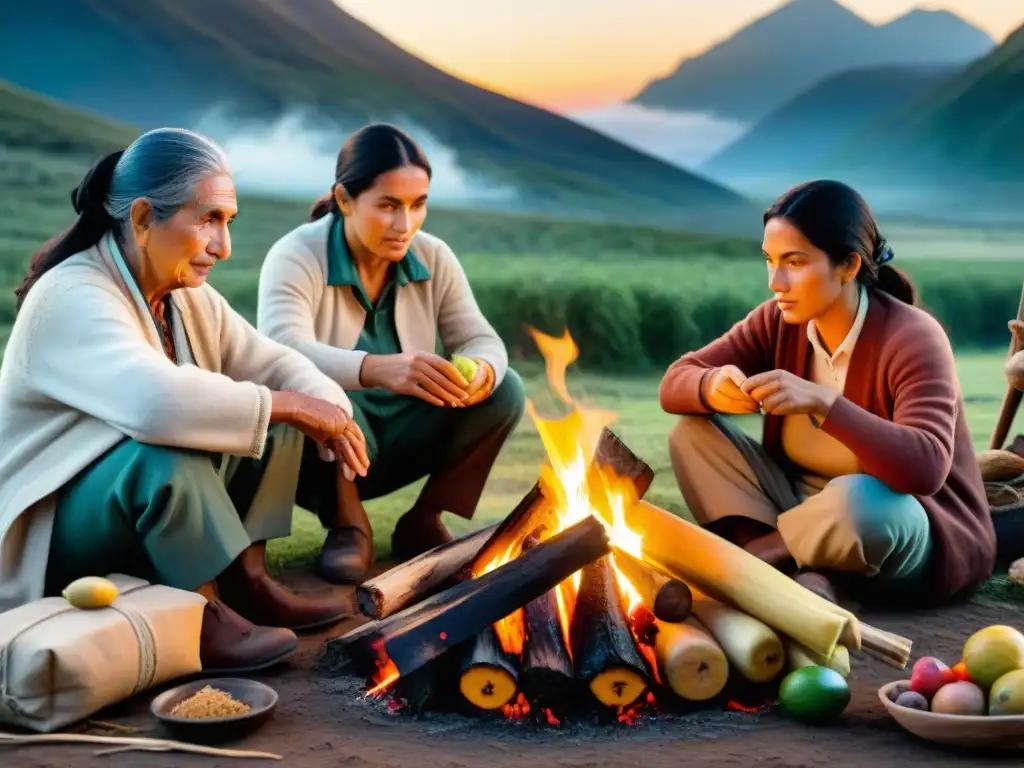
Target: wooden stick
(415, 579)
(603, 647)
(488, 675)
(134, 742)
(423, 632)
(1013, 396)
(669, 599)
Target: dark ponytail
(92, 223)
(836, 219)
(369, 153)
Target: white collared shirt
(820, 454)
(830, 370)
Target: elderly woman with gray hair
(148, 429)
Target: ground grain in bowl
(209, 702)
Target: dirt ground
(323, 722)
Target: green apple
(467, 366)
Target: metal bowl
(262, 701)
(1002, 732)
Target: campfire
(586, 597)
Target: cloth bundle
(60, 664)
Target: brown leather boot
(416, 532)
(228, 644)
(249, 589)
(347, 553)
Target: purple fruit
(912, 700)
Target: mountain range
(969, 131)
(175, 62)
(793, 141)
(777, 57)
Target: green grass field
(641, 423)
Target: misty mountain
(778, 56)
(174, 62)
(790, 144)
(967, 134)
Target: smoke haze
(295, 156)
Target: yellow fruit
(1007, 694)
(90, 592)
(467, 366)
(992, 652)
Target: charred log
(423, 632)
(487, 675)
(668, 598)
(604, 650)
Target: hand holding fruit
(421, 374)
(480, 376)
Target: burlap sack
(60, 664)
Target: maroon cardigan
(901, 414)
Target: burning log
(488, 675)
(415, 579)
(546, 673)
(423, 632)
(535, 511)
(751, 646)
(603, 647)
(667, 598)
(732, 575)
(692, 663)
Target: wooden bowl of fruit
(977, 703)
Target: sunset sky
(581, 54)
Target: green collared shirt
(379, 335)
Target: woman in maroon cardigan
(867, 476)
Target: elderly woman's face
(181, 251)
(386, 216)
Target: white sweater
(84, 368)
(298, 308)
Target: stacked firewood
(708, 612)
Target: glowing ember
(517, 710)
(387, 673)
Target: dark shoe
(229, 644)
(249, 589)
(346, 556)
(818, 584)
(417, 533)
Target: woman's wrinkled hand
(723, 393)
(782, 393)
(327, 424)
(421, 374)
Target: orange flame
(579, 487)
(576, 487)
(387, 673)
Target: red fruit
(960, 673)
(930, 674)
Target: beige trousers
(852, 524)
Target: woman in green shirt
(371, 300)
